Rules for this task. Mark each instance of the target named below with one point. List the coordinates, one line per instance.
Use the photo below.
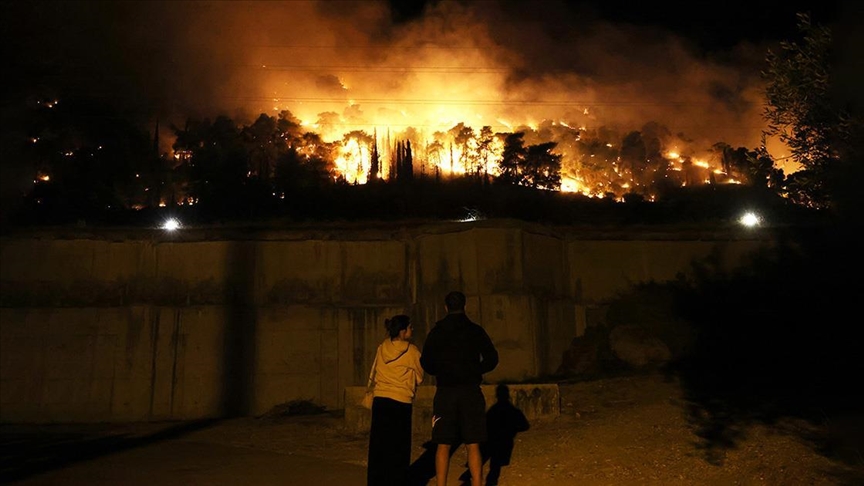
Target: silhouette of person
(503, 421)
(397, 373)
(458, 352)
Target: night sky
(714, 26)
(147, 56)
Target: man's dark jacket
(458, 352)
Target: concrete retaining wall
(144, 325)
(536, 401)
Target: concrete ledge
(536, 401)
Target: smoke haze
(367, 65)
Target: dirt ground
(627, 430)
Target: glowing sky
(429, 67)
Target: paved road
(163, 455)
(162, 458)
(177, 462)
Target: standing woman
(397, 373)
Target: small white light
(750, 219)
(171, 225)
(472, 215)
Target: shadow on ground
(26, 451)
(775, 343)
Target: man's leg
(442, 464)
(475, 463)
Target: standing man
(458, 352)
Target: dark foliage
(776, 339)
(454, 199)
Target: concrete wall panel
(191, 362)
(544, 258)
(194, 261)
(374, 272)
(559, 333)
(499, 260)
(326, 349)
(71, 272)
(302, 271)
(509, 322)
(72, 260)
(448, 261)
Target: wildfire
(461, 149)
(456, 81)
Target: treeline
(224, 170)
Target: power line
(445, 101)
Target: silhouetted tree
(512, 158)
(761, 169)
(657, 167)
(408, 162)
(435, 153)
(375, 159)
(750, 167)
(317, 160)
(219, 165)
(263, 142)
(484, 149)
(404, 161)
(634, 160)
(542, 167)
(398, 154)
(802, 110)
(464, 139)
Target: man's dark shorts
(459, 415)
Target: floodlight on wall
(750, 219)
(171, 224)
